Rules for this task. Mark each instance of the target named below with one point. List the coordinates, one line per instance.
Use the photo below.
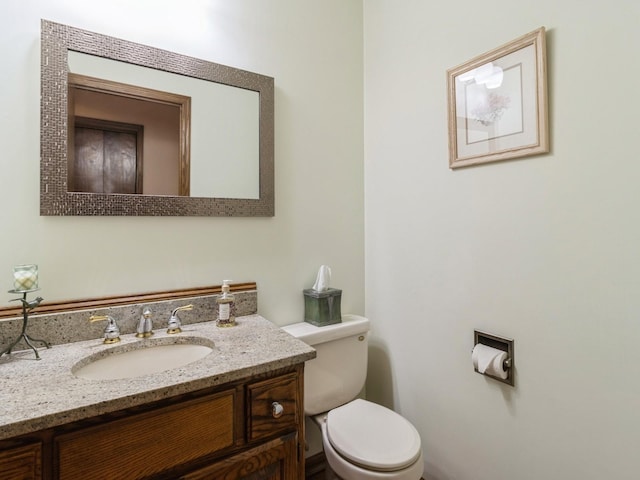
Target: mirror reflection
(224, 140)
(209, 152)
(126, 139)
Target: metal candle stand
(26, 308)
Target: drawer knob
(276, 410)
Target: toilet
(362, 440)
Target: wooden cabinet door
(107, 157)
(274, 460)
(21, 463)
(262, 421)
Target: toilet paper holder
(501, 343)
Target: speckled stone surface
(41, 394)
(74, 326)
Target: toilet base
(317, 468)
(338, 468)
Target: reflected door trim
(182, 104)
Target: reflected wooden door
(107, 157)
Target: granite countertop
(35, 395)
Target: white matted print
(498, 104)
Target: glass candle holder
(25, 277)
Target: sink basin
(142, 358)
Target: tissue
(489, 361)
(322, 279)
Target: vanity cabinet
(249, 429)
(23, 462)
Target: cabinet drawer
(264, 400)
(148, 443)
(274, 459)
(21, 463)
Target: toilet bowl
(361, 440)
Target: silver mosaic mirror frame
(56, 41)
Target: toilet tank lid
(373, 436)
(312, 335)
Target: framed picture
(498, 103)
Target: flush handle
(276, 410)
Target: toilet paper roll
(490, 361)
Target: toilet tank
(339, 371)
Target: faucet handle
(174, 320)
(111, 331)
(145, 326)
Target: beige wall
(314, 52)
(544, 250)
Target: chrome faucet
(145, 327)
(174, 321)
(111, 331)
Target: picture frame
(497, 103)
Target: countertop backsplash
(74, 326)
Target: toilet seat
(372, 436)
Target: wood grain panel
(120, 162)
(147, 444)
(107, 157)
(21, 463)
(260, 397)
(88, 161)
(274, 460)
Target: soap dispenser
(226, 307)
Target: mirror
(235, 105)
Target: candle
(25, 277)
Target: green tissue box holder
(322, 308)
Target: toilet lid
(373, 436)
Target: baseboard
(314, 464)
